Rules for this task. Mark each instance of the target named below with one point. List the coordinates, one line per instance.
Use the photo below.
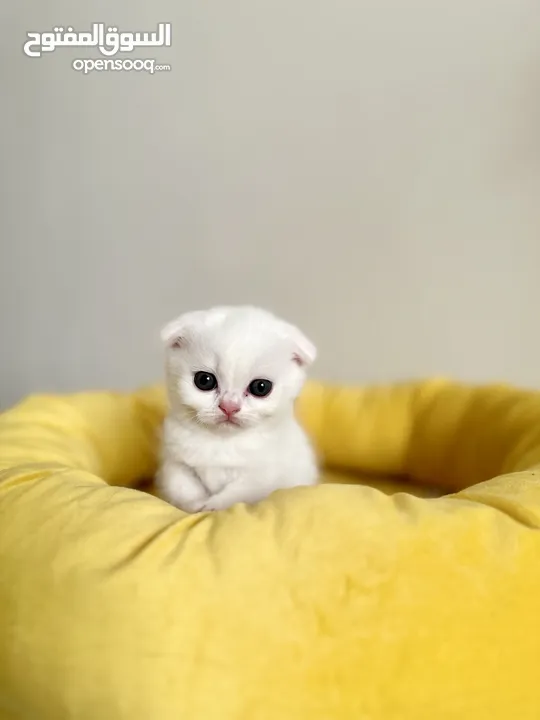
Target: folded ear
(173, 335)
(304, 351)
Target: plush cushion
(326, 603)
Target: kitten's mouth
(229, 421)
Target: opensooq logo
(108, 40)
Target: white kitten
(233, 374)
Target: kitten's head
(234, 367)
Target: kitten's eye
(205, 381)
(260, 388)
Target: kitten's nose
(229, 406)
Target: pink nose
(229, 407)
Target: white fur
(210, 464)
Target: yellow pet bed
(328, 603)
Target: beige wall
(371, 169)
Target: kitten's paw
(215, 503)
(177, 485)
(186, 503)
(190, 507)
(223, 500)
(193, 508)
(208, 507)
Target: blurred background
(368, 169)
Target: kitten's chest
(219, 461)
(216, 478)
(223, 462)
(228, 454)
